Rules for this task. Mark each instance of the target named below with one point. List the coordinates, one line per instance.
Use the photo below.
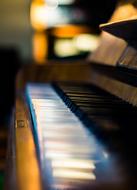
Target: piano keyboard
(70, 155)
(92, 104)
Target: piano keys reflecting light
(70, 149)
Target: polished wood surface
(115, 80)
(109, 50)
(122, 24)
(125, 29)
(54, 71)
(28, 175)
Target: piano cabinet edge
(85, 72)
(80, 72)
(23, 172)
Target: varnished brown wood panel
(55, 72)
(27, 168)
(78, 73)
(120, 89)
(112, 47)
(109, 50)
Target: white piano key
(63, 140)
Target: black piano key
(90, 103)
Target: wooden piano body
(112, 68)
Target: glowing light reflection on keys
(60, 128)
(58, 155)
(73, 163)
(73, 174)
(49, 135)
(78, 148)
(64, 141)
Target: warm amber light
(44, 14)
(86, 42)
(124, 12)
(80, 42)
(65, 47)
(68, 31)
(40, 47)
(37, 15)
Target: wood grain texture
(109, 50)
(112, 47)
(120, 89)
(54, 72)
(85, 73)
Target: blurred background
(47, 29)
(34, 31)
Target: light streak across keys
(62, 139)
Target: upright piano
(74, 124)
